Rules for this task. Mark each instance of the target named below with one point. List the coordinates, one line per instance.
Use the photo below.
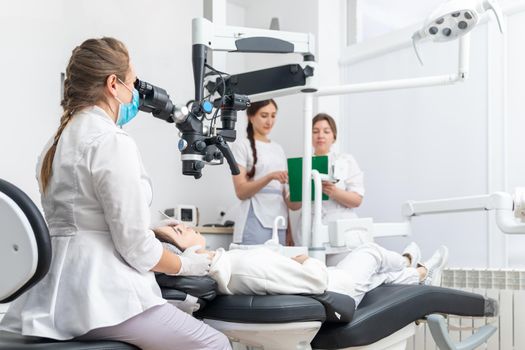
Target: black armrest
(202, 287)
(338, 307)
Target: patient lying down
(260, 271)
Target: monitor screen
(186, 214)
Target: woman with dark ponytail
(261, 184)
(96, 195)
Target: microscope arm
(270, 82)
(219, 142)
(241, 39)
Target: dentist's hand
(194, 264)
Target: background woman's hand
(329, 188)
(281, 176)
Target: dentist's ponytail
(90, 65)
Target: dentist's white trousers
(370, 265)
(163, 327)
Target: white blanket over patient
(261, 271)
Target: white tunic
(268, 203)
(96, 207)
(346, 169)
(261, 271)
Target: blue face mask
(128, 111)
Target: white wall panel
(422, 144)
(516, 123)
(439, 142)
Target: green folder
(295, 176)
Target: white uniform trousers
(371, 265)
(163, 327)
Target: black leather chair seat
(11, 341)
(263, 309)
(389, 308)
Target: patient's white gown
(260, 271)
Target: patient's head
(185, 237)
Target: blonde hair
(90, 65)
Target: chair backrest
(25, 245)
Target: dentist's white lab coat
(344, 167)
(96, 206)
(350, 176)
(268, 203)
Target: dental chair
(384, 319)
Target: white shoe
(414, 253)
(435, 266)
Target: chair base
(297, 335)
(277, 336)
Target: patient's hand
(300, 258)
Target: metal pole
(306, 223)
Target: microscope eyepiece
(155, 100)
(143, 87)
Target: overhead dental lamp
(454, 19)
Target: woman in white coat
(345, 195)
(263, 175)
(95, 194)
(348, 192)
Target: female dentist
(263, 175)
(95, 194)
(348, 192)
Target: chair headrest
(39, 230)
